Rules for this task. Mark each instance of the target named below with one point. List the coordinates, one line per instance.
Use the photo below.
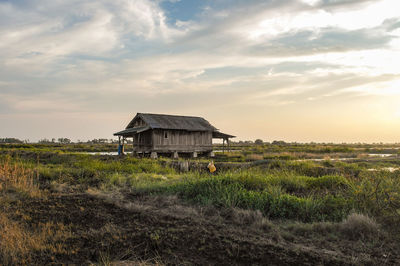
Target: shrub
(378, 194)
(357, 226)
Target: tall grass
(270, 194)
(15, 176)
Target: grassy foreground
(65, 207)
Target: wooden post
(153, 155)
(223, 145)
(119, 145)
(227, 140)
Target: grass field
(302, 204)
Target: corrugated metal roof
(159, 121)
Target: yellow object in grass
(211, 167)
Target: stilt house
(173, 134)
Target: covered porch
(129, 133)
(224, 137)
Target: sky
(292, 70)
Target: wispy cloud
(101, 57)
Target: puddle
(102, 153)
(381, 154)
(390, 169)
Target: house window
(165, 135)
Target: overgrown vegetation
(284, 196)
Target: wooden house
(157, 133)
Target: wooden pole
(223, 145)
(119, 145)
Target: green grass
(304, 191)
(271, 194)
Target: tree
(258, 142)
(10, 140)
(278, 142)
(64, 140)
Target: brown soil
(162, 230)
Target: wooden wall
(143, 141)
(180, 140)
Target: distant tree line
(68, 141)
(259, 142)
(11, 140)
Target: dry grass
(254, 157)
(106, 259)
(18, 244)
(14, 176)
(357, 226)
(250, 218)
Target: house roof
(220, 135)
(159, 121)
(130, 131)
(177, 122)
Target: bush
(357, 226)
(378, 195)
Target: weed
(359, 226)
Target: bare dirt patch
(126, 227)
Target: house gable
(137, 121)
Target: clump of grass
(250, 218)
(327, 182)
(354, 227)
(357, 226)
(15, 176)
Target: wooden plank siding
(179, 140)
(143, 141)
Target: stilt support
(153, 155)
(175, 155)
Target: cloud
(341, 3)
(53, 30)
(325, 40)
(101, 57)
